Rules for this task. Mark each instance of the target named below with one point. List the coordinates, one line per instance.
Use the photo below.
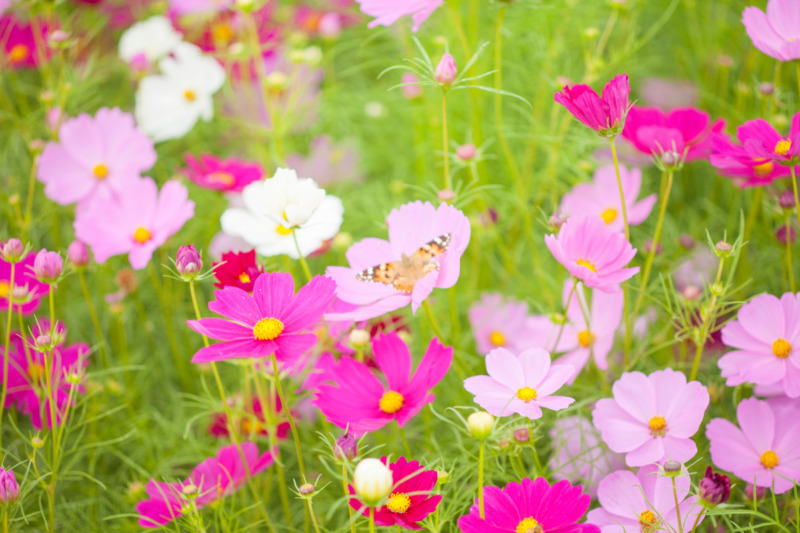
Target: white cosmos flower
(152, 39)
(168, 105)
(274, 208)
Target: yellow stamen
(251, 426)
(526, 394)
(781, 348)
(18, 53)
(225, 178)
(586, 338)
(222, 33)
(142, 235)
(591, 266)
(267, 329)
(769, 459)
(783, 146)
(647, 520)
(244, 278)
(528, 525)
(189, 95)
(100, 171)
(609, 215)
(398, 502)
(497, 338)
(283, 230)
(657, 425)
(391, 402)
(764, 169)
(5, 290)
(35, 372)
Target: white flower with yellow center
(151, 39)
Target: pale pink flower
(387, 12)
(328, 162)
(499, 322)
(777, 31)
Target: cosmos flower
(141, 220)
(766, 341)
(528, 505)
(652, 418)
(213, 479)
(227, 175)
(644, 502)
(521, 384)
(249, 419)
(237, 269)
(600, 198)
(95, 158)
(775, 32)
(328, 162)
(356, 399)
(593, 253)
(604, 114)
(766, 448)
(499, 322)
(746, 162)
(274, 320)
(387, 12)
(27, 291)
(669, 94)
(195, 7)
(685, 130)
(410, 501)
(762, 142)
(148, 41)
(22, 48)
(423, 252)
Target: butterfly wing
(403, 275)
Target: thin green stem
(794, 189)
(697, 520)
(303, 263)
(347, 496)
(708, 319)
(404, 439)
(371, 520)
(290, 418)
(432, 320)
(7, 344)
(481, 456)
(788, 252)
(564, 318)
(677, 507)
(26, 222)
(93, 314)
(313, 518)
(621, 191)
(448, 185)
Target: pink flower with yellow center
(227, 175)
(746, 161)
(21, 47)
(685, 130)
(499, 322)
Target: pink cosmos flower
(684, 130)
(766, 338)
(578, 454)
(22, 48)
(606, 114)
(593, 253)
(327, 162)
(669, 94)
(762, 142)
(411, 500)
(766, 448)
(358, 400)
(27, 291)
(95, 157)
(274, 320)
(652, 418)
(248, 419)
(387, 12)
(499, 322)
(191, 7)
(228, 175)
(775, 32)
(746, 162)
(214, 478)
(423, 252)
(521, 507)
(601, 198)
(645, 502)
(137, 223)
(520, 384)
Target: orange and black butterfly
(404, 274)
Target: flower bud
(189, 490)
(78, 254)
(757, 492)
(686, 241)
(781, 234)
(411, 92)
(372, 481)
(359, 338)
(330, 26)
(306, 489)
(786, 200)
(13, 250)
(503, 444)
(725, 61)
(555, 221)
(691, 292)
(342, 241)
(672, 468)
(466, 152)
(442, 477)
(714, 488)
(522, 435)
(44, 343)
(723, 248)
(345, 447)
(47, 266)
(446, 195)
(648, 247)
(37, 442)
(766, 88)
(480, 424)
(188, 262)
(670, 158)
(58, 37)
(9, 488)
(37, 145)
(446, 71)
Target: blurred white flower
(148, 41)
(168, 105)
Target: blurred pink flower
(593, 253)
(745, 162)
(601, 198)
(356, 399)
(669, 94)
(521, 383)
(27, 291)
(423, 252)
(22, 48)
(229, 175)
(191, 7)
(777, 31)
(499, 322)
(686, 129)
(604, 114)
(411, 87)
(96, 157)
(327, 163)
(766, 341)
(652, 418)
(387, 12)
(137, 223)
(765, 449)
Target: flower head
(274, 320)
(775, 32)
(714, 488)
(499, 322)
(237, 269)
(387, 12)
(605, 114)
(147, 41)
(521, 384)
(446, 71)
(228, 175)
(752, 162)
(530, 506)
(356, 399)
(372, 480)
(593, 253)
(685, 131)
(27, 291)
(48, 266)
(78, 254)
(9, 488)
(329, 162)
(652, 418)
(188, 261)
(21, 45)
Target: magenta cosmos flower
(95, 157)
(521, 507)
(601, 198)
(214, 478)
(499, 322)
(604, 114)
(356, 399)
(423, 252)
(593, 253)
(387, 12)
(228, 175)
(777, 31)
(410, 501)
(22, 47)
(137, 223)
(27, 291)
(652, 418)
(766, 338)
(686, 131)
(520, 384)
(746, 162)
(644, 502)
(274, 320)
(766, 448)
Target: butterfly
(404, 274)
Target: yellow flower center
(225, 178)
(764, 169)
(781, 348)
(189, 95)
(497, 338)
(398, 502)
(5, 290)
(648, 520)
(100, 171)
(783, 146)
(657, 425)
(526, 394)
(267, 329)
(529, 525)
(222, 33)
(586, 338)
(251, 426)
(142, 235)
(769, 459)
(391, 402)
(35, 372)
(283, 230)
(591, 266)
(609, 215)
(19, 52)
(244, 278)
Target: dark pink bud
(188, 261)
(781, 233)
(346, 446)
(13, 250)
(786, 200)
(759, 492)
(686, 241)
(522, 435)
(47, 266)
(446, 71)
(648, 247)
(714, 488)
(78, 254)
(9, 488)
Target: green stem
(26, 222)
(448, 185)
(788, 252)
(93, 314)
(404, 439)
(313, 518)
(7, 347)
(677, 507)
(701, 341)
(566, 306)
(303, 263)
(621, 191)
(288, 411)
(371, 520)
(697, 521)
(481, 456)
(347, 496)
(794, 189)
(432, 320)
